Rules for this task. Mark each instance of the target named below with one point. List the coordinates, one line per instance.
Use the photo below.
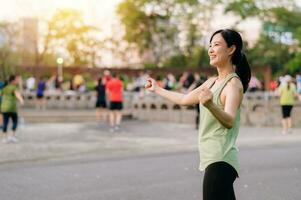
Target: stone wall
(258, 109)
(69, 100)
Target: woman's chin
(213, 64)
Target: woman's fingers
(148, 83)
(205, 95)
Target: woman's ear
(232, 50)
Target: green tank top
(9, 100)
(217, 143)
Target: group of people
(55, 83)
(109, 89)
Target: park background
(140, 34)
(63, 153)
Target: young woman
(220, 100)
(287, 92)
(101, 103)
(10, 96)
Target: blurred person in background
(78, 80)
(83, 87)
(169, 82)
(198, 81)
(140, 82)
(20, 83)
(159, 81)
(273, 85)
(281, 81)
(54, 84)
(186, 80)
(30, 84)
(58, 83)
(287, 92)
(183, 81)
(254, 84)
(10, 95)
(101, 104)
(2, 84)
(40, 94)
(190, 80)
(51, 84)
(114, 89)
(298, 81)
(106, 76)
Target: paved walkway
(75, 140)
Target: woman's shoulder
(210, 81)
(293, 84)
(234, 83)
(11, 87)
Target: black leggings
(13, 116)
(218, 182)
(286, 111)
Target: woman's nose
(210, 50)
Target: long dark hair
(11, 78)
(239, 59)
(288, 83)
(99, 82)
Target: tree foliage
(280, 39)
(68, 36)
(166, 30)
(9, 56)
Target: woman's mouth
(212, 57)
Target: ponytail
(242, 69)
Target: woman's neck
(225, 71)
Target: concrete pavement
(53, 141)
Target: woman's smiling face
(218, 51)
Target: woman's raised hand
(205, 96)
(150, 85)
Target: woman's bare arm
(19, 97)
(233, 97)
(182, 99)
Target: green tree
(280, 37)
(288, 30)
(9, 54)
(266, 52)
(147, 27)
(68, 34)
(166, 30)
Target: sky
(100, 13)
(97, 12)
(16, 8)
